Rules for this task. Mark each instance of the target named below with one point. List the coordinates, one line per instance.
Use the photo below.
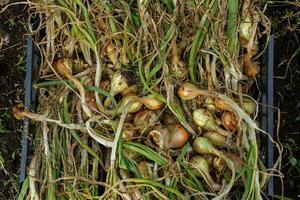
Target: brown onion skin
(104, 84)
(187, 91)
(178, 136)
(251, 69)
(18, 111)
(144, 118)
(220, 104)
(229, 120)
(62, 67)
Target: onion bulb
(168, 119)
(204, 146)
(205, 120)
(113, 54)
(251, 69)
(245, 29)
(249, 105)
(104, 84)
(130, 101)
(188, 91)
(202, 169)
(131, 91)
(144, 118)
(220, 104)
(215, 138)
(170, 137)
(229, 120)
(178, 136)
(152, 103)
(129, 132)
(18, 111)
(118, 85)
(63, 67)
(209, 104)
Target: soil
(287, 95)
(12, 66)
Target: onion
(209, 104)
(113, 54)
(189, 91)
(202, 169)
(158, 136)
(78, 65)
(152, 103)
(129, 132)
(18, 111)
(238, 162)
(205, 120)
(131, 91)
(144, 118)
(118, 85)
(104, 84)
(245, 30)
(220, 104)
(229, 120)
(172, 137)
(215, 138)
(168, 119)
(251, 69)
(249, 105)
(90, 100)
(63, 67)
(130, 101)
(178, 136)
(204, 146)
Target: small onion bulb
(205, 120)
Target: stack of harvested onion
(146, 100)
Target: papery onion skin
(178, 136)
(215, 138)
(133, 105)
(204, 119)
(152, 103)
(18, 111)
(145, 118)
(220, 104)
(173, 136)
(187, 91)
(229, 120)
(203, 146)
(249, 106)
(63, 67)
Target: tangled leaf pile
(146, 99)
